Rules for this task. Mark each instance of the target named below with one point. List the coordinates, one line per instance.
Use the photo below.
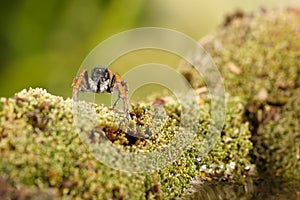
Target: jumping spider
(102, 80)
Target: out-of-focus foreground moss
(259, 57)
(41, 151)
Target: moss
(53, 156)
(258, 56)
(40, 149)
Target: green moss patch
(259, 57)
(40, 149)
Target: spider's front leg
(122, 88)
(80, 84)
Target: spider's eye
(99, 74)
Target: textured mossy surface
(259, 57)
(41, 150)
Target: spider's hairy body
(102, 80)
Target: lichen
(41, 149)
(258, 56)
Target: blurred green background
(44, 42)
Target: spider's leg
(125, 100)
(115, 104)
(123, 91)
(126, 109)
(80, 83)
